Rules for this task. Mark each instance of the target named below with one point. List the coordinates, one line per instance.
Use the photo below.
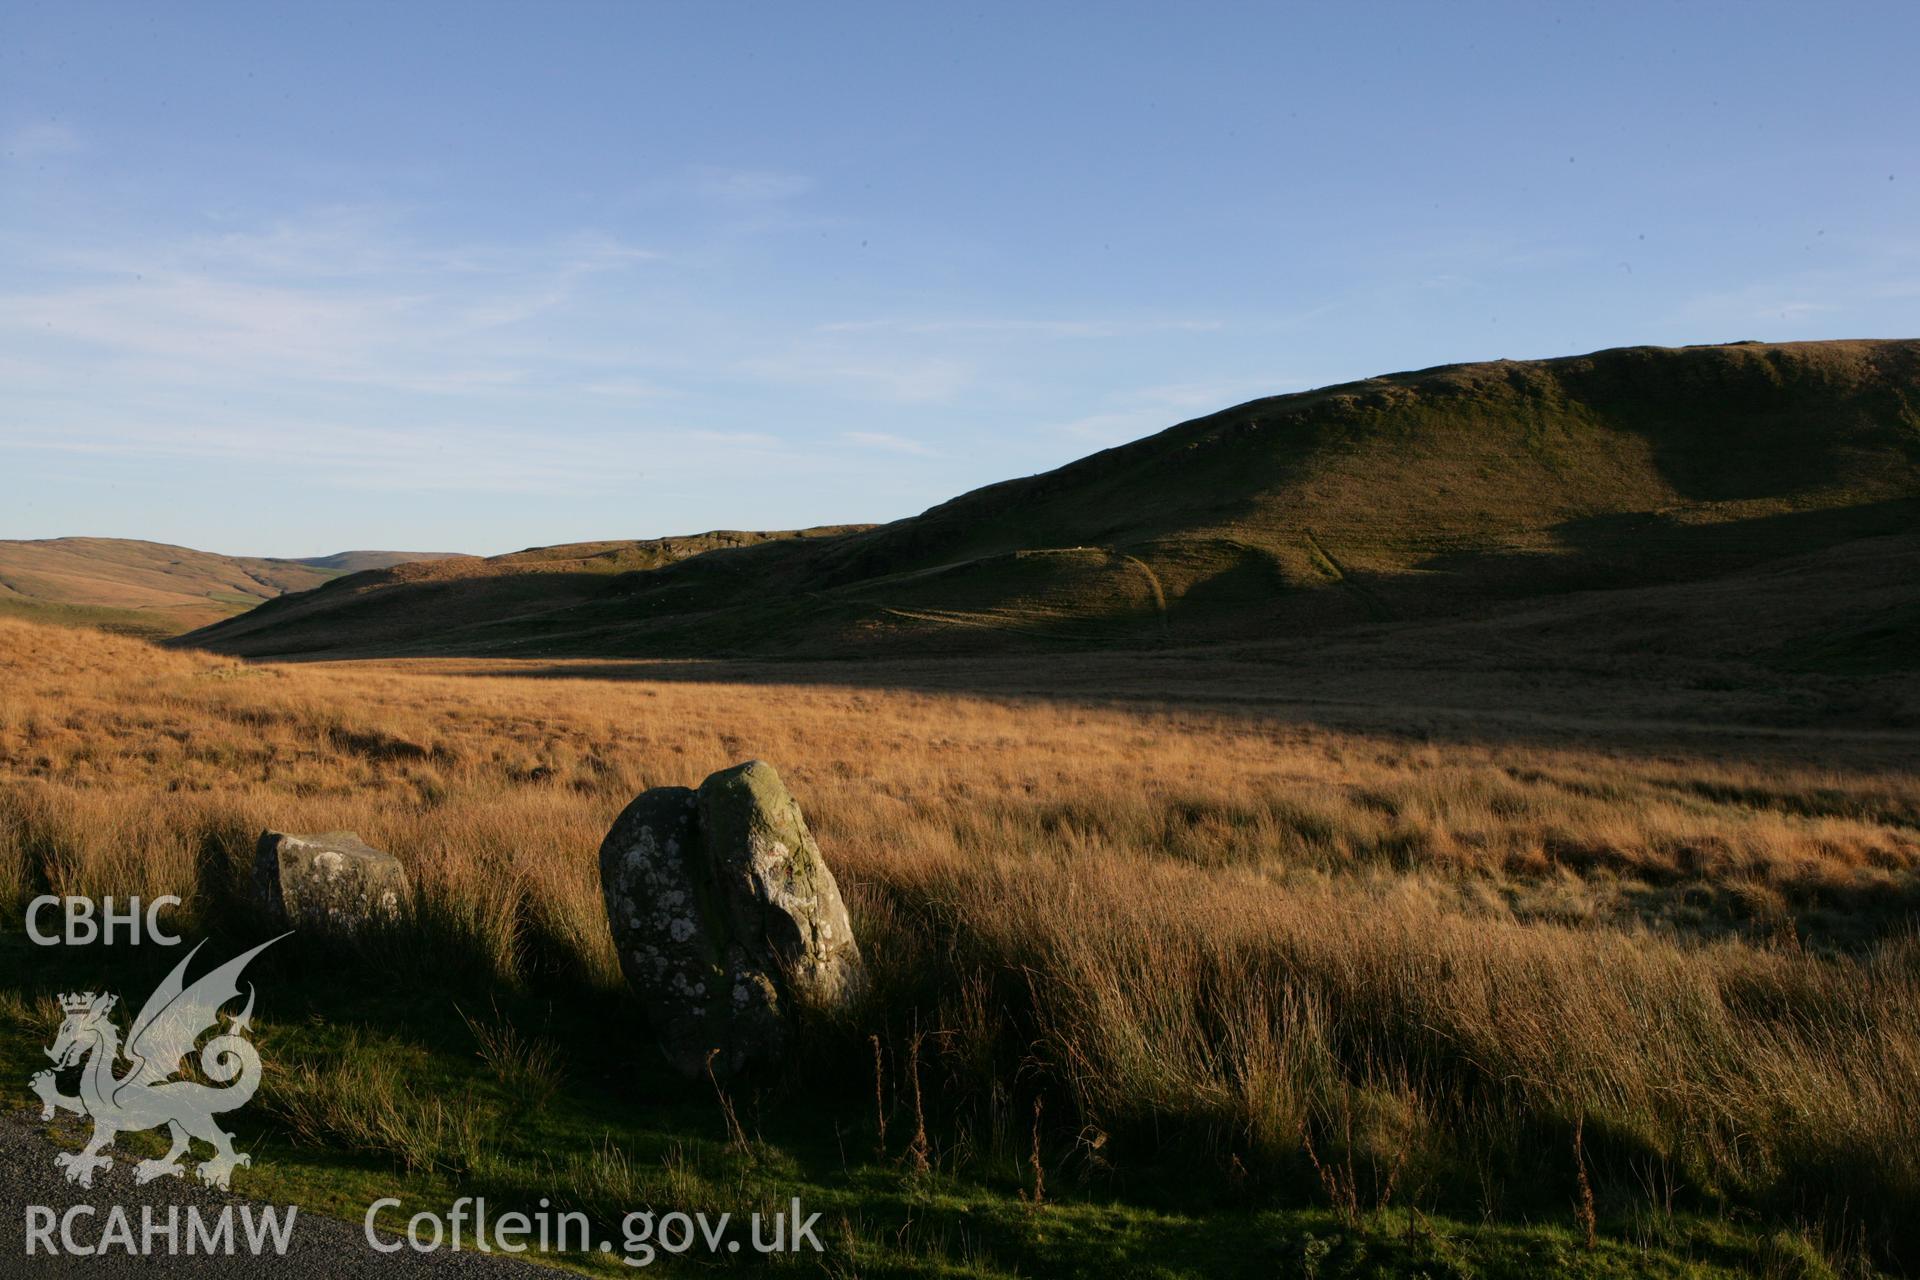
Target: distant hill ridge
(154, 588)
(1439, 493)
(359, 561)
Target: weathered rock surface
(777, 887)
(700, 990)
(334, 882)
(726, 917)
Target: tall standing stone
(726, 919)
(780, 896)
(700, 991)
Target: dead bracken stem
(879, 1097)
(917, 1151)
(1584, 1213)
(736, 1136)
(1341, 1192)
(1033, 1160)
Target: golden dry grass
(1210, 930)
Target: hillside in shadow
(1451, 493)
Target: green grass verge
(378, 1087)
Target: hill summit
(1433, 494)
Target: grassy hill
(152, 588)
(360, 561)
(1450, 492)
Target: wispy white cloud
(900, 377)
(1015, 327)
(731, 191)
(626, 389)
(756, 441)
(1796, 310)
(348, 240)
(1799, 299)
(1145, 410)
(202, 318)
(343, 348)
(432, 457)
(1207, 397)
(928, 360)
(338, 296)
(746, 186)
(890, 443)
(38, 139)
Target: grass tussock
(1381, 971)
(364, 1100)
(530, 1067)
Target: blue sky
(281, 279)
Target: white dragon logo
(146, 1097)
